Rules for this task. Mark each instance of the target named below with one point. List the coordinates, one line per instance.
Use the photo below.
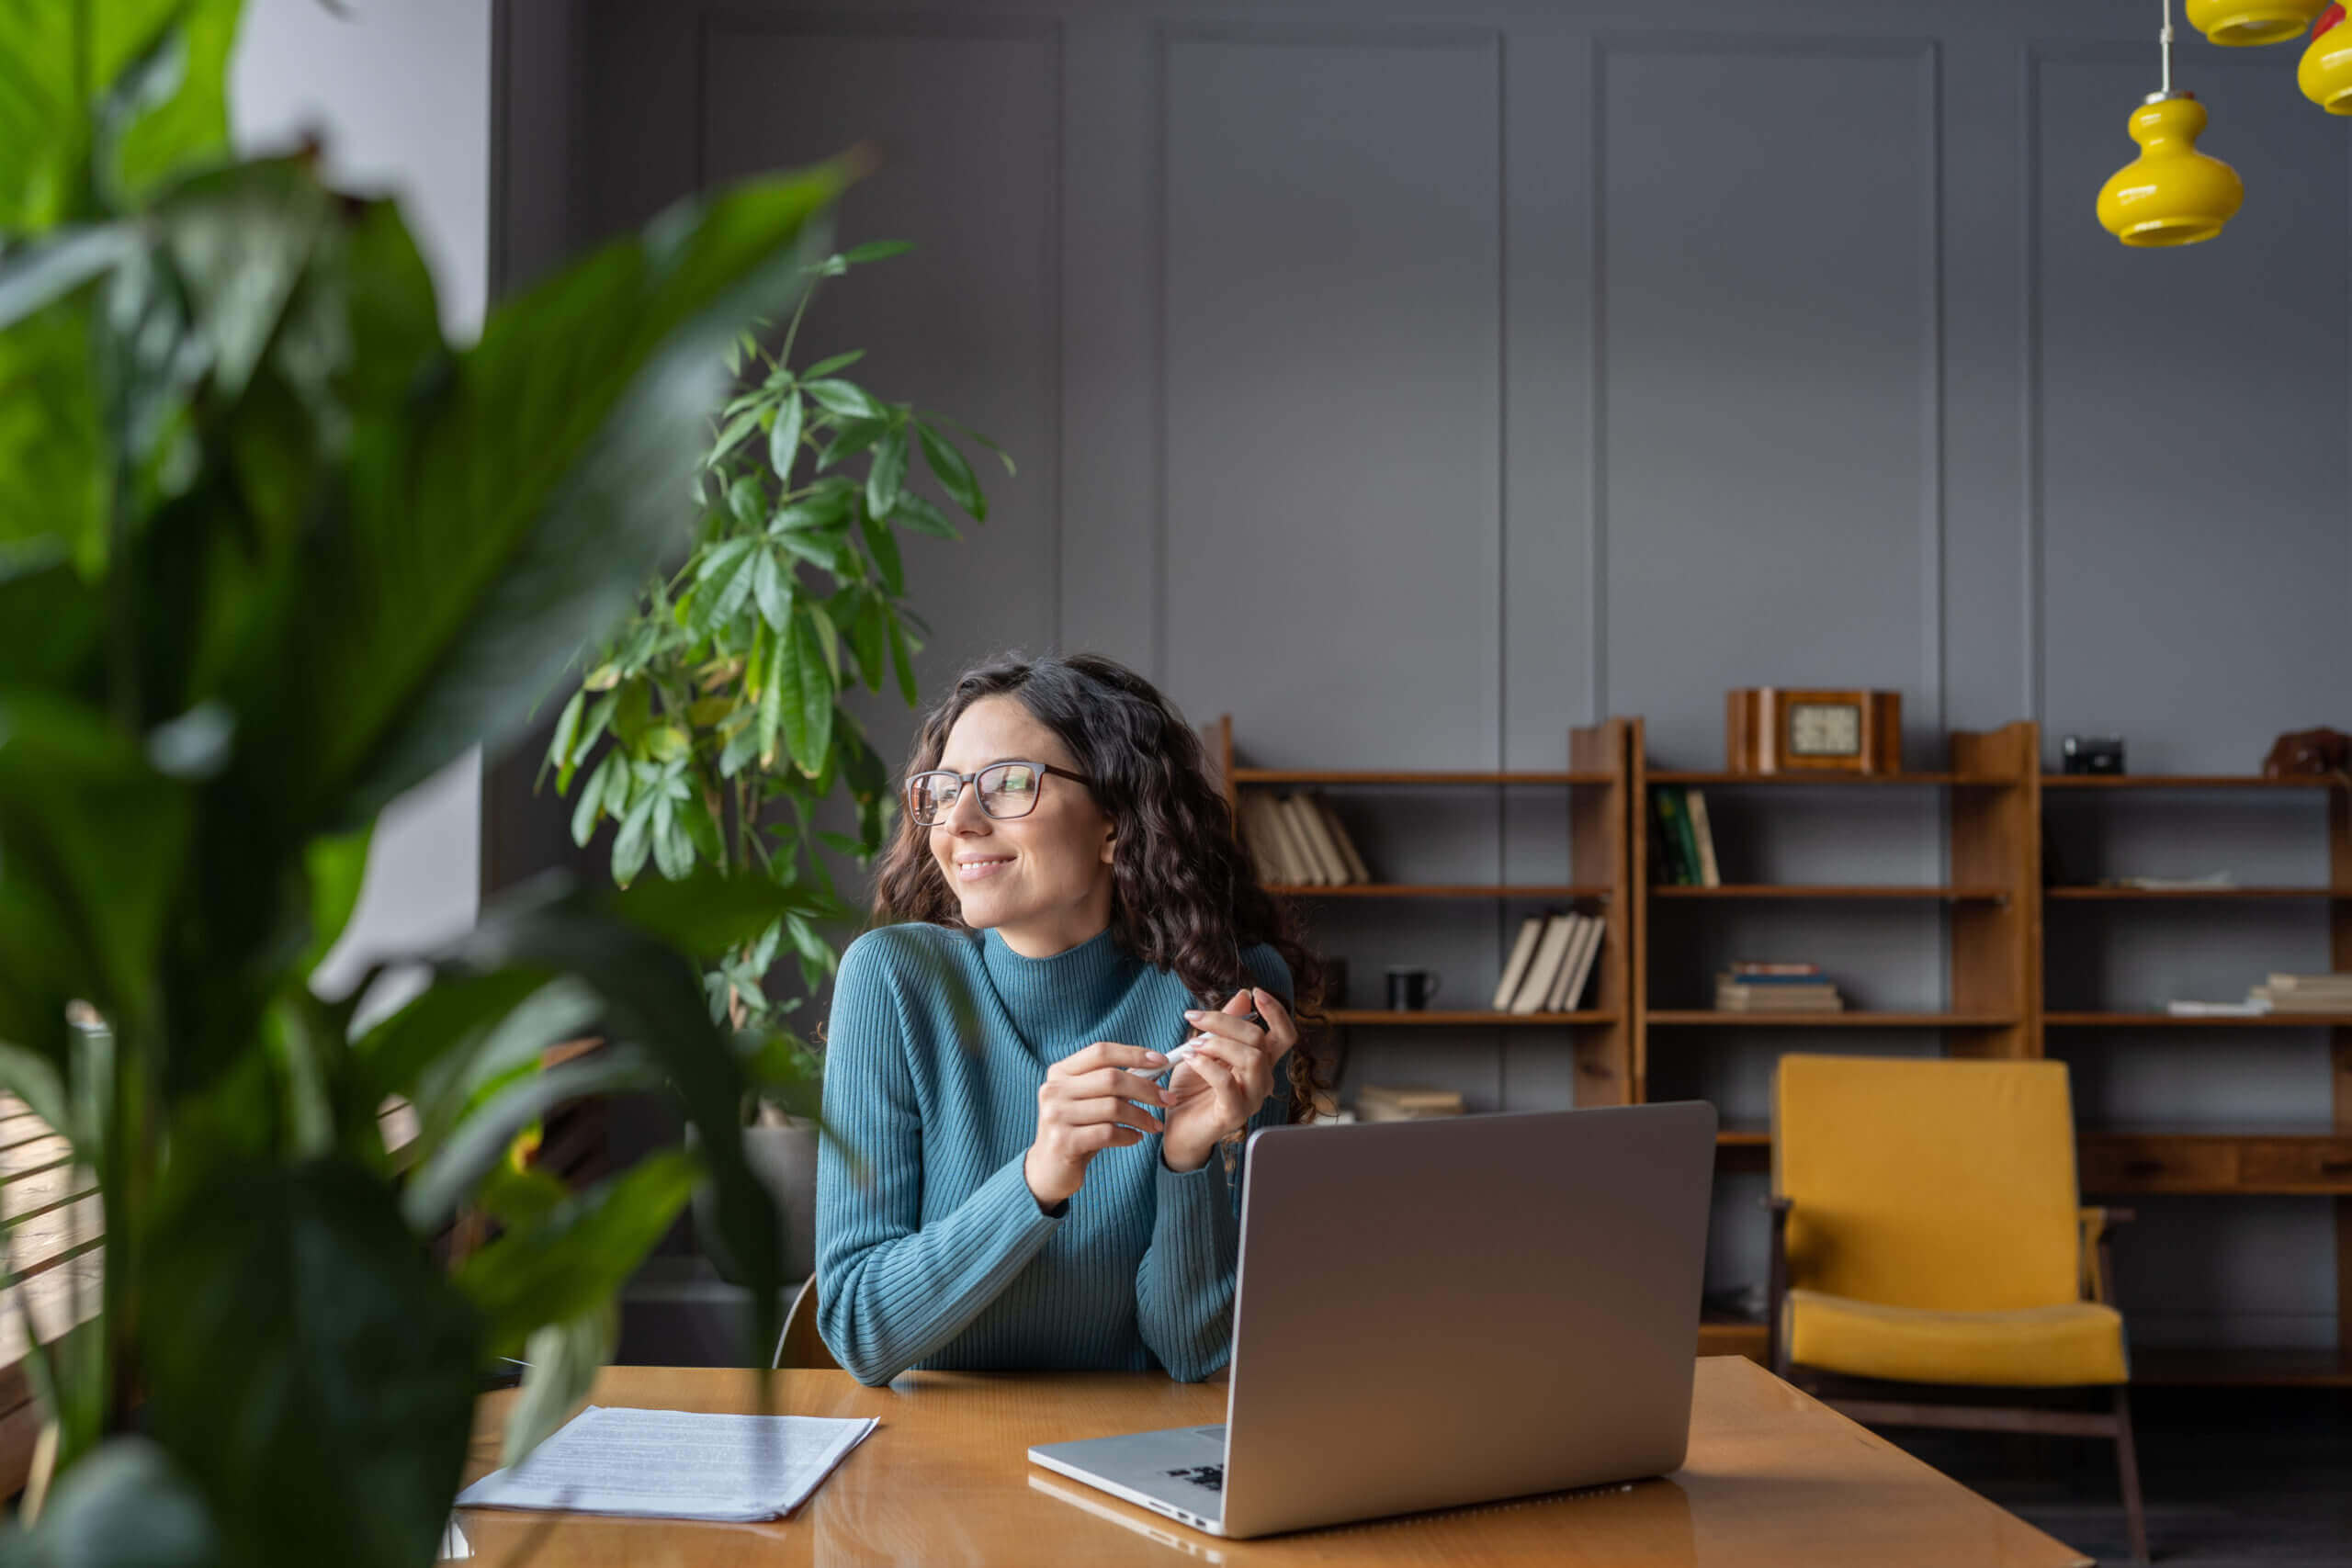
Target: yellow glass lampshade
(2239, 22)
(2326, 74)
(2171, 194)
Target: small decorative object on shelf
(1412, 990)
(2091, 754)
(1783, 729)
(2308, 753)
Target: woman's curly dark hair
(1186, 896)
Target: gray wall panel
(1416, 380)
(1770, 344)
(1331, 386)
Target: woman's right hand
(1082, 1109)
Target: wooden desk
(1773, 1477)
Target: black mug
(1410, 990)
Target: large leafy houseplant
(272, 550)
(711, 730)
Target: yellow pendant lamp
(2171, 194)
(2239, 22)
(2326, 74)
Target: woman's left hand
(1216, 1090)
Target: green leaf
(827, 549)
(875, 249)
(567, 731)
(829, 638)
(126, 1505)
(837, 362)
(53, 464)
(903, 662)
(35, 1080)
(314, 1371)
(479, 1142)
(579, 1256)
(772, 698)
(564, 1360)
(784, 438)
(92, 846)
(337, 867)
(46, 115)
(807, 694)
(827, 509)
(517, 517)
(869, 634)
(845, 399)
(729, 575)
(404, 1054)
(591, 804)
(884, 547)
(851, 438)
(920, 515)
(40, 274)
(772, 586)
(635, 839)
(954, 475)
(674, 853)
(887, 472)
(731, 437)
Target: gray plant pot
(785, 1158)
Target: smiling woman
(1009, 1185)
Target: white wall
(398, 92)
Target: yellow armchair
(1926, 1235)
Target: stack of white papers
(674, 1464)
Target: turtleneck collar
(1091, 977)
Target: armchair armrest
(1776, 1286)
(2098, 1257)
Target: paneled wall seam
(1596, 394)
(2029, 194)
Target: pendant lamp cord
(2164, 42)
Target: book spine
(1357, 869)
(1686, 839)
(1664, 805)
(1710, 873)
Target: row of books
(1550, 964)
(1682, 849)
(2318, 995)
(2331, 992)
(1295, 839)
(1380, 1102)
(1775, 987)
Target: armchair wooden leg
(2126, 1465)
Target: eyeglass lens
(1007, 789)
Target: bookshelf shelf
(1594, 806)
(1833, 890)
(1837, 781)
(2182, 781)
(2313, 1158)
(1473, 1018)
(1714, 1017)
(2065, 894)
(2077, 1020)
(1339, 776)
(1443, 890)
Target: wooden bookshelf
(2309, 1160)
(1596, 789)
(2063, 892)
(1852, 1017)
(1473, 1018)
(1821, 890)
(1565, 891)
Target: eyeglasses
(1007, 790)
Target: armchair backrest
(1928, 1182)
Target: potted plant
(272, 550)
(709, 730)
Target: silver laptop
(1433, 1314)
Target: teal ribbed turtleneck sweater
(931, 1249)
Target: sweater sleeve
(892, 1291)
(1184, 1285)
